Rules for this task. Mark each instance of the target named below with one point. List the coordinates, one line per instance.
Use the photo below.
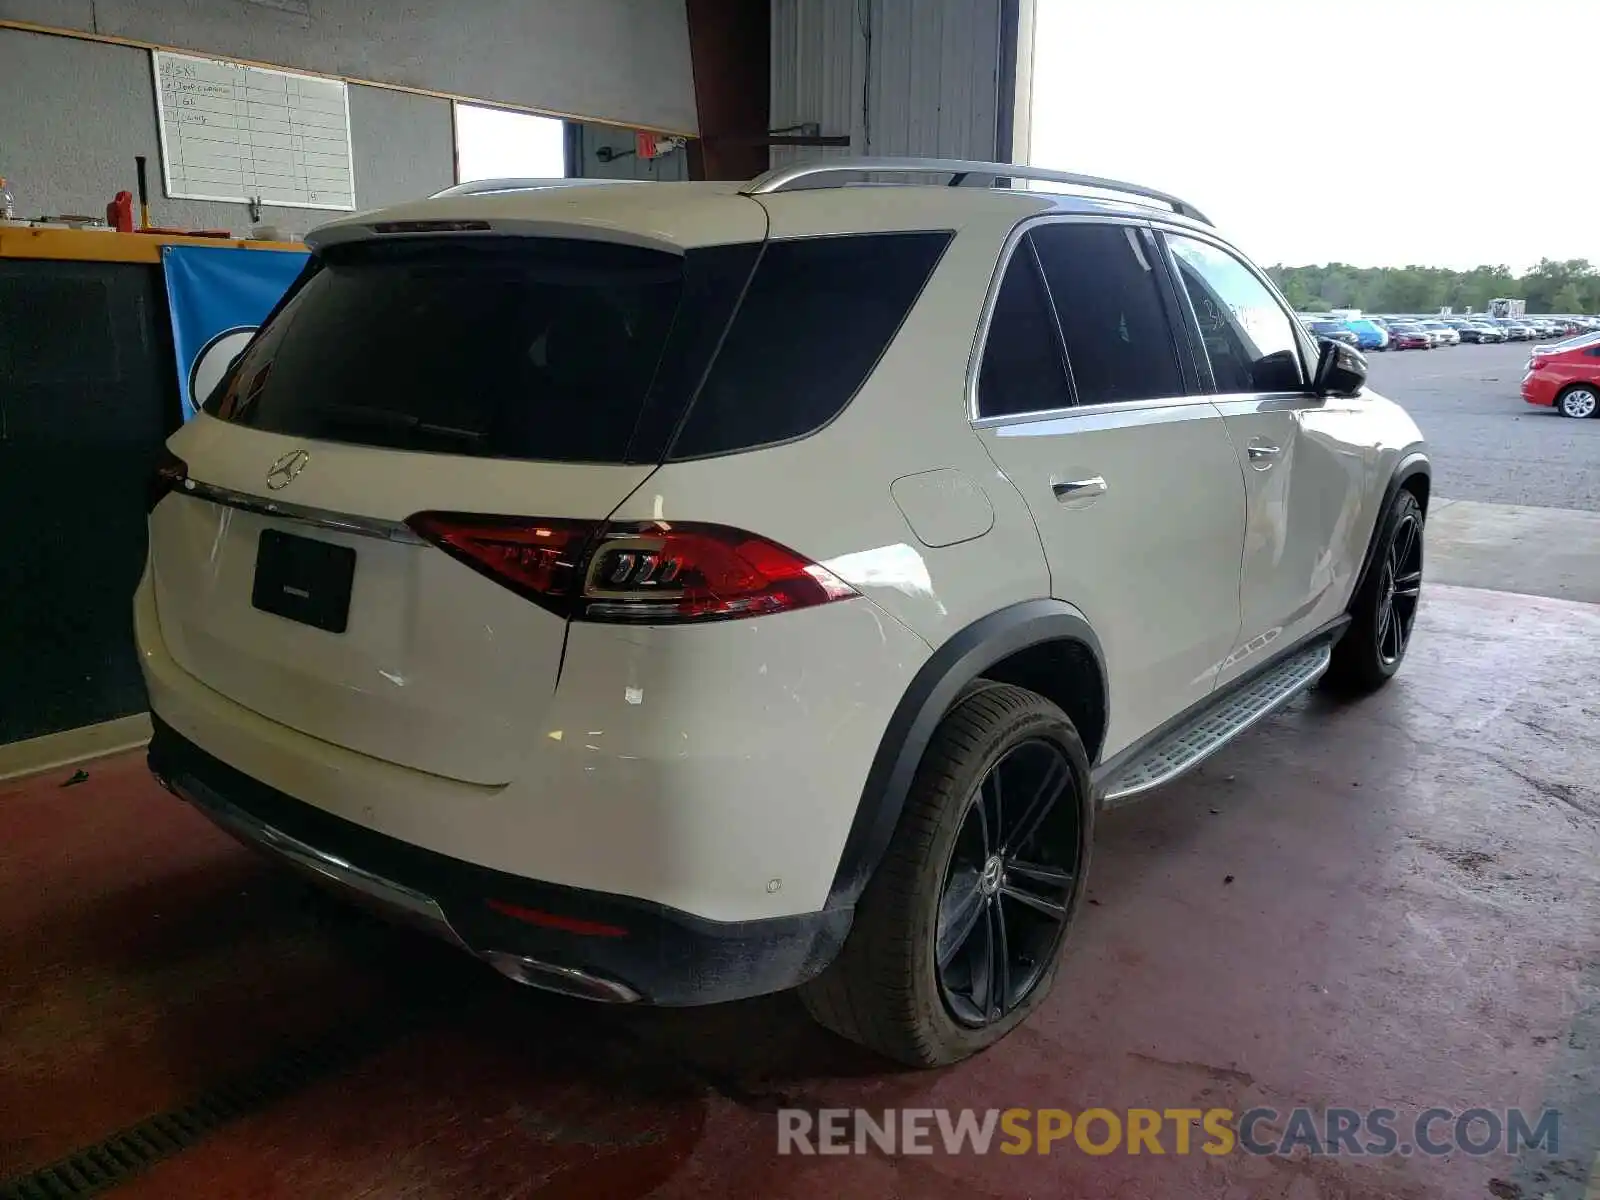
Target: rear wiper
(360, 414)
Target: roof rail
(478, 187)
(960, 170)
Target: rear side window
(1022, 368)
(817, 316)
(1108, 300)
(502, 348)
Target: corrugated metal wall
(900, 77)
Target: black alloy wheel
(1005, 900)
(1383, 612)
(1399, 588)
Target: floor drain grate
(116, 1159)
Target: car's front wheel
(1578, 401)
(958, 934)
(1384, 610)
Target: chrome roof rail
(960, 170)
(479, 187)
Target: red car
(1409, 337)
(1566, 375)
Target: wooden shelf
(83, 245)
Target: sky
(1365, 132)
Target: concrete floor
(1413, 919)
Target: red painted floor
(1413, 920)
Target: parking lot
(1488, 445)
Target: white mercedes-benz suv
(679, 592)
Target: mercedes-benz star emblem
(283, 472)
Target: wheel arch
(1021, 644)
(1414, 474)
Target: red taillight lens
(651, 573)
(169, 475)
(539, 560)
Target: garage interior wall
(619, 61)
(77, 112)
(899, 77)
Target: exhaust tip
(568, 981)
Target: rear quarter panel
(829, 495)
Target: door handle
(1081, 491)
(1262, 454)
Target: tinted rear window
(505, 348)
(572, 351)
(818, 315)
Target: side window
(1107, 297)
(1248, 337)
(1022, 369)
(816, 318)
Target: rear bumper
(1538, 391)
(583, 943)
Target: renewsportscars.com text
(1214, 1131)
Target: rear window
(573, 351)
(504, 348)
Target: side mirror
(1341, 369)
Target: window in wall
(492, 143)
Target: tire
(1579, 400)
(1385, 607)
(887, 989)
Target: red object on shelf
(646, 145)
(119, 213)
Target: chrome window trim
(319, 518)
(1093, 410)
(981, 337)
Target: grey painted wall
(76, 113)
(623, 61)
(899, 77)
(625, 163)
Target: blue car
(1369, 335)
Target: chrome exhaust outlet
(569, 981)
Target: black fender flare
(1412, 465)
(934, 688)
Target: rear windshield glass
(570, 351)
(503, 348)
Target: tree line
(1569, 286)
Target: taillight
(169, 475)
(654, 572)
(539, 560)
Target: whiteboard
(232, 132)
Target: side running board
(1214, 727)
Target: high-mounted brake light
(169, 474)
(653, 572)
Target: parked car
(1369, 334)
(1565, 376)
(1471, 331)
(1576, 341)
(1516, 329)
(1336, 331)
(1405, 336)
(514, 635)
(1442, 333)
